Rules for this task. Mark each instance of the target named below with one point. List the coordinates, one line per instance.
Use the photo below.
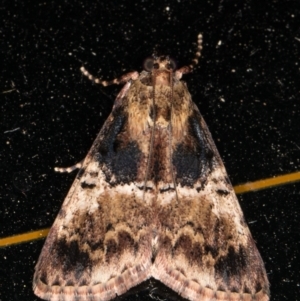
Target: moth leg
(191, 66)
(123, 79)
(70, 168)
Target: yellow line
(267, 183)
(16, 239)
(251, 186)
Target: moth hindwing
(152, 203)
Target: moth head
(159, 63)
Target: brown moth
(152, 203)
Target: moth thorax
(162, 77)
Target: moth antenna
(123, 79)
(195, 61)
(189, 68)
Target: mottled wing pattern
(152, 200)
(100, 243)
(206, 251)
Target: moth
(152, 203)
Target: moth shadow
(150, 289)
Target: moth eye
(171, 64)
(155, 65)
(149, 64)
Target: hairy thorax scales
(168, 106)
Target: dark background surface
(247, 88)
